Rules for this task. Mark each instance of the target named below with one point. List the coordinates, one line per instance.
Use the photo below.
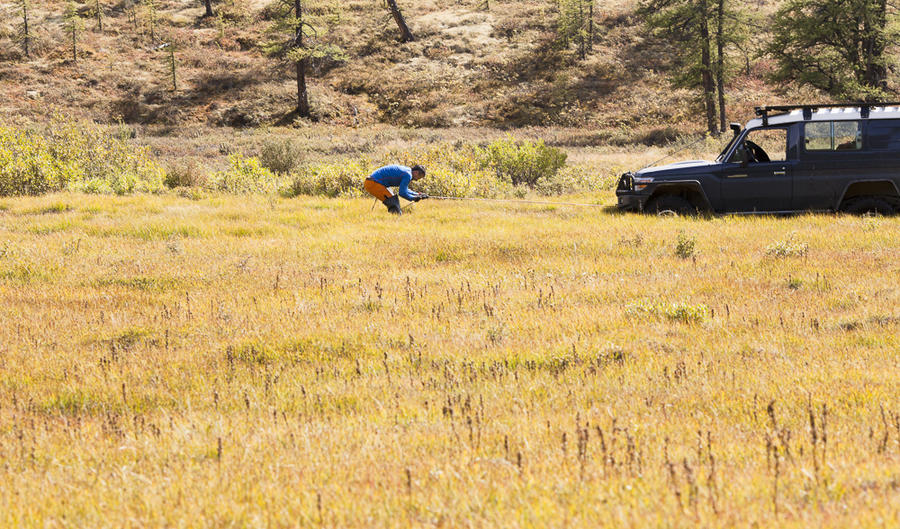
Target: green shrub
(685, 246)
(281, 156)
(185, 174)
(26, 166)
(576, 179)
(342, 179)
(456, 170)
(787, 248)
(76, 156)
(522, 162)
(676, 312)
(453, 170)
(244, 175)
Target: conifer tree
(298, 38)
(701, 32)
(839, 46)
(25, 32)
(72, 25)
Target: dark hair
(418, 168)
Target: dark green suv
(788, 159)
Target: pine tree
(701, 32)
(98, 13)
(839, 46)
(151, 14)
(72, 25)
(574, 24)
(25, 33)
(298, 39)
(172, 67)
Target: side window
(847, 136)
(833, 136)
(818, 136)
(884, 135)
(763, 145)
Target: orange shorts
(377, 190)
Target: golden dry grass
(253, 362)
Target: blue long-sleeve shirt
(398, 176)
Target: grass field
(257, 362)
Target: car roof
(828, 114)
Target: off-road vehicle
(788, 159)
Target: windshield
(721, 157)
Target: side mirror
(736, 128)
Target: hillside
(502, 67)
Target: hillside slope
(469, 66)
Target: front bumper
(628, 198)
(630, 201)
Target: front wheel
(866, 205)
(672, 203)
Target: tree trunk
(25, 18)
(709, 89)
(590, 32)
(172, 66)
(407, 35)
(302, 95)
(720, 65)
(99, 14)
(874, 25)
(209, 11)
(582, 41)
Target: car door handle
(780, 173)
(742, 175)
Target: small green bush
(787, 248)
(522, 162)
(342, 179)
(676, 312)
(244, 175)
(281, 156)
(185, 174)
(685, 246)
(76, 156)
(576, 179)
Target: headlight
(641, 182)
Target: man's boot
(393, 205)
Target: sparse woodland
(639, 64)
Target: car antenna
(686, 147)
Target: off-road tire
(673, 203)
(868, 204)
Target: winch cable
(517, 201)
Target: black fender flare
(837, 206)
(692, 185)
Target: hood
(677, 168)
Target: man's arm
(404, 190)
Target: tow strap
(519, 201)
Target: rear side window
(884, 135)
(833, 136)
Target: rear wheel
(673, 203)
(868, 204)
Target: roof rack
(864, 109)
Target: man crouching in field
(398, 176)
